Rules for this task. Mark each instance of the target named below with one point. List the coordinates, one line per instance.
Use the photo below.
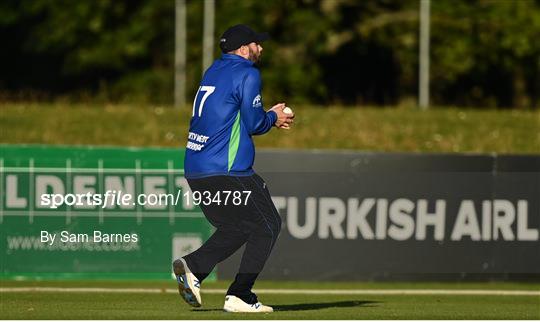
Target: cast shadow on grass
(322, 305)
(308, 306)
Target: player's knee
(267, 231)
(276, 229)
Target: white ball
(287, 110)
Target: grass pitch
(158, 300)
(445, 130)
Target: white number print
(207, 91)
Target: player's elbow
(261, 130)
(257, 128)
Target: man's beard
(255, 57)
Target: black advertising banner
(378, 216)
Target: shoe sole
(237, 311)
(229, 309)
(183, 289)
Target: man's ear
(244, 50)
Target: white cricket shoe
(235, 304)
(189, 286)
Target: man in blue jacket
(227, 112)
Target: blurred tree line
(484, 53)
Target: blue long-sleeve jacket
(227, 111)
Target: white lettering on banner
(310, 217)
(293, 222)
(503, 217)
(486, 220)
(424, 219)
(466, 222)
(523, 232)
(356, 220)
(405, 219)
(110, 192)
(382, 216)
(402, 226)
(331, 216)
(12, 198)
(83, 185)
(47, 184)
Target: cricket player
(227, 112)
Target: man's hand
(284, 120)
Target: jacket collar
(235, 57)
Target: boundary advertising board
(390, 216)
(150, 234)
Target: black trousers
(255, 223)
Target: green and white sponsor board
(135, 239)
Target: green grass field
(164, 303)
(396, 130)
(371, 129)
